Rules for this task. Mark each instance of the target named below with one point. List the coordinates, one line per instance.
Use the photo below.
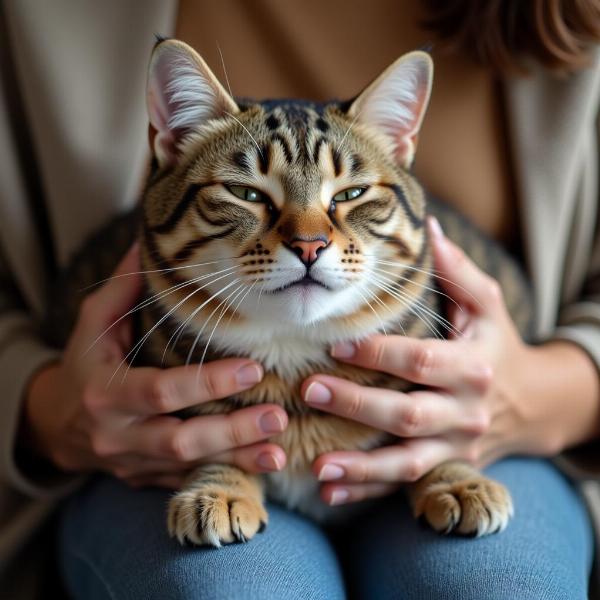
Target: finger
(405, 415)
(462, 279)
(405, 462)
(203, 436)
(115, 297)
(150, 391)
(436, 363)
(334, 494)
(257, 458)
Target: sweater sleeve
(22, 353)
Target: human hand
(473, 409)
(80, 424)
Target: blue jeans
(113, 544)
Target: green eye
(349, 194)
(246, 193)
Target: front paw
(214, 518)
(476, 506)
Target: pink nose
(308, 250)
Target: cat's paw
(213, 518)
(477, 506)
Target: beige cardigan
(70, 159)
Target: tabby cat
(272, 230)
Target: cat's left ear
(396, 101)
(182, 93)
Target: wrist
(560, 396)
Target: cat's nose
(308, 250)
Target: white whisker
(155, 298)
(246, 130)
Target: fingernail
(271, 422)
(343, 350)
(317, 393)
(268, 461)
(436, 228)
(339, 497)
(249, 375)
(331, 472)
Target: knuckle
(92, 400)
(161, 392)
(379, 356)
(472, 453)
(421, 362)
(551, 445)
(411, 420)
(413, 469)
(492, 290)
(482, 422)
(102, 447)
(482, 377)
(210, 383)
(235, 433)
(355, 405)
(180, 448)
(361, 472)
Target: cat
(272, 230)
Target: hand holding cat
(78, 422)
(476, 404)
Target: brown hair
(501, 33)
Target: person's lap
(113, 544)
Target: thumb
(460, 277)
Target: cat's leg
(456, 498)
(218, 504)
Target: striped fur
(233, 284)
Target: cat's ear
(181, 94)
(396, 101)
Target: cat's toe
(472, 507)
(214, 519)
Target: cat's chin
(302, 305)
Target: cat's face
(292, 212)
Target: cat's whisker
(224, 69)
(373, 310)
(137, 347)
(398, 289)
(410, 304)
(379, 301)
(246, 130)
(182, 326)
(221, 315)
(239, 304)
(155, 298)
(348, 131)
(167, 270)
(433, 272)
(415, 307)
(379, 269)
(206, 321)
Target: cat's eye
(244, 192)
(349, 194)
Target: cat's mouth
(304, 282)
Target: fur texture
(272, 230)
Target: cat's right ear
(182, 93)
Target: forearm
(559, 402)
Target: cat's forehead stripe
(415, 220)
